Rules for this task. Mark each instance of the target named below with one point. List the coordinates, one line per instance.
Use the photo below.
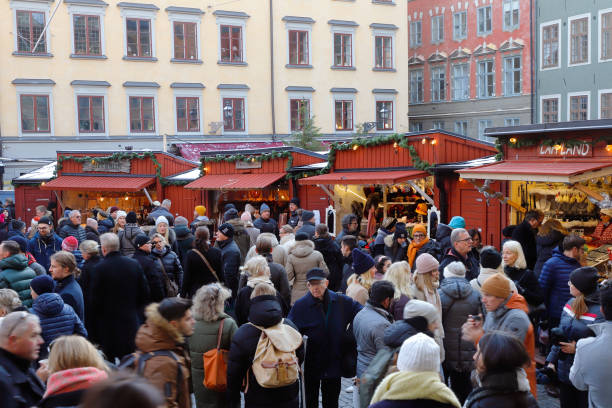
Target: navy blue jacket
(72, 294)
(56, 318)
(171, 264)
(106, 225)
(553, 281)
(69, 229)
(472, 268)
(19, 383)
(324, 330)
(230, 256)
(309, 229)
(42, 249)
(545, 245)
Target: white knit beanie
(416, 308)
(161, 219)
(419, 353)
(454, 270)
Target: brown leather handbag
(215, 365)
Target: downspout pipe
(272, 92)
(532, 26)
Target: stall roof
(364, 177)
(43, 173)
(310, 167)
(550, 127)
(188, 175)
(264, 150)
(99, 183)
(235, 181)
(465, 164)
(556, 171)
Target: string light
(355, 147)
(395, 145)
(608, 148)
(513, 140)
(557, 147)
(423, 141)
(434, 141)
(461, 180)
(126, 198)
(93, 161)
(43, 183)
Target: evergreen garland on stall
(246, 158)
(113, 157)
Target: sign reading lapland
(577, 150)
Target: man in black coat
(308, 226)
(461, 251)
(349, 242)
(73, 227)
(327, 246)
(150, 266)
(323, 316)
(184, 238)
(350, 226)
(525, 234)
(230, 256)
(20, 341)
(121, 292)
(294, 217)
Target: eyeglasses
(465, 240)
(23, 316)
(418, 236)
(155, 242)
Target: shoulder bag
(215, 365)
(210, 268)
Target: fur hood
(302, 249)
(389, 240)
(157, 333)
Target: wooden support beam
(511, 203)
(588, 191)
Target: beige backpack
(275, 363)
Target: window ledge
(238, 64)
(292, 66)
(92, 57)
(341, 68)
(384, 69)
(183, 61)
(386, 3)
(148, 59)
(29, 54)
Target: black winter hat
(301, 236)
(140, 240)
(316, 274)
(45, 221)
(228, 206)
(490, 258)
(17, 225)
(362, 262)
(230, 214)
(131, 218)
(307, 215)
(267, 227)
(295, 201)
(227, 230)
(585, 279)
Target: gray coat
(511, 321)
(369, 330)
(458, 301)
(302, 258)
(592, 362)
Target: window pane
(97, 110)
(145, 38)
(606, 35)
(191, 41)
(80, 35)
(384, 115)
(179, 41)
(83, 111)
(148, 115)
(132, 37)
(93, 35)
(236, 44)
(135, 119)
(42, 114)
(606, 106)
(194, 114)
(228, 114)
(38, 24)
(23, 32)
(27, 113)
(181, 114)
(239, 114)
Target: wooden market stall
(28, 194)
(255, 176)
(401, 170)
(130, 180)
(562, 169)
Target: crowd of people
(121, 314)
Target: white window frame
(484, 33)
(293, 26)
(461, 122)
(99, 11)
(413, 43)
(233, 21)
(298, 95)
(437, 40)
(541, 44)
(506, 120)
(385, 33)
(464, 35)
(41, 7)
(599, 93)
(434, 86)
(518, 24)
(143, 15)
(335, 30)
(145, 92)
(422, 71)
(452, 78)
(416, 122)
(569, 104)
(38, 89)
(478, 85)
(188, 93)
(569, 39)
(176, 17)
(482, 136)
(383, 98)
(505, 73)
(600, 34)
(559, 107)
(341, 96)
(438, 125)
(87, 90)
(234, 93)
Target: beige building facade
(115, 74)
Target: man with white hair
(460, 251)
(73, 227)
(163, 209)
(123, 292)
(20, 341)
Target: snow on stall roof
(314, 166)
(192, 174)
(45, 172)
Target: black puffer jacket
(184, 241)
(152, 270)
(394, 250)
(443, 233)
(399, 331)
(126, 239)
(545, 245)
(197, 274)
(171, 264)
(458, 300)
(527, 284)
(501, 390)
(69, 229)
(85, 280)
(265, 311)
(333, 259)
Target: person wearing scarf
(420, 244)
(418, 378)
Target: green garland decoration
(247, 158)
(113, 157)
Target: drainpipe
(532, 26)
(272, 71)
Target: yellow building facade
(125, 73)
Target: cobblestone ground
(544, 400)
